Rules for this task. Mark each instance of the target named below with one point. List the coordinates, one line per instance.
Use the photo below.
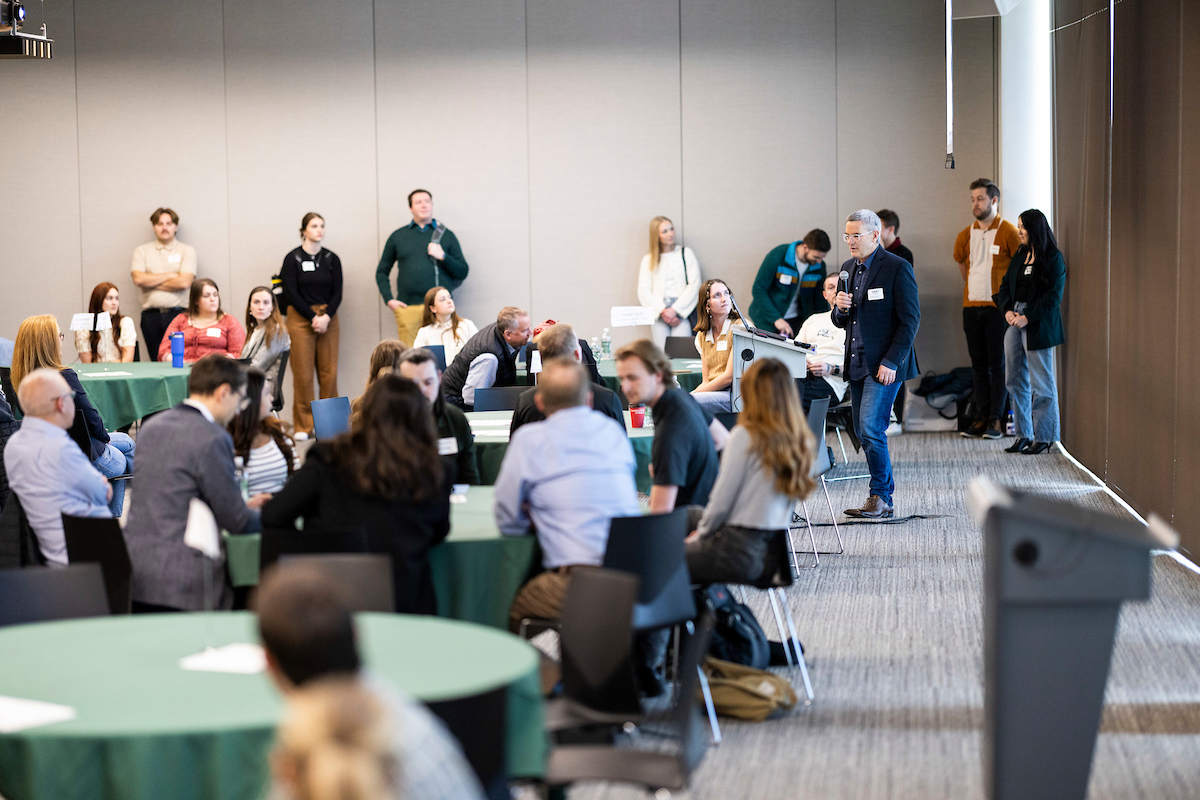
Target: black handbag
(736, 634)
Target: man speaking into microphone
(877, 306)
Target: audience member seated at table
(456, 442)
(380, 476)
(824, 378)
(385, 358)
(114, 345)
(309, 638)
(714, 342)
(489, 358)
(186, 454)
(205, 327)
(565, 477)
(442, 324)
(560, 341)
(259, 440)
(764, 471)
(39, 346)
(267, 337)
(46, 469)
(683, 457)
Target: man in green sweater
(787, 289)
(426, 254)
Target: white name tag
(174, 258)
(214, 333)
(875, 294)
(785, 279)
(308, 266)
(995, 249)
(448, 446)
(1029, 269)
(723, 344)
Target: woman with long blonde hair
(668, 282)
(442, 325)
(39, 346)
(764, 470)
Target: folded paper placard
(84, 322)
(238, 658)
(623, 316)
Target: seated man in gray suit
(187, 454)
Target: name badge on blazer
(215, 333)
(448, 446)
(875, 294)
(308, 266)
(1029, 269)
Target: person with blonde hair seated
(442, 325)
(385, 359)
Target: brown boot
(874, 508)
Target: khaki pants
(309, 351)
(408, 322)
(541, 597)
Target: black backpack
(736, 634)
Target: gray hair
(868, 218)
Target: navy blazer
(888, 325)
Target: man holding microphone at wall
(877, 306)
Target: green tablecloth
(124, 393)
(476, 571)
(148, 729)
(687, 371)
(491, 442)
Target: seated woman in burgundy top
(205, 327)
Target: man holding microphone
(877, 306)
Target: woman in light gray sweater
(764, 470)
(266, 336)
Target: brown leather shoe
(874, 508)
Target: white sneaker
(300, 436)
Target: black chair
(288, 541)
(366, 578)
(18, 544)
(654, 771)
(93, 540)
(480, 724)
(498, 398)
(331, 416)
(681, 347)
(651, 547)
(595, 643)
(727, 418)
(439, 353)
(277, 400)
(49, 593)
(10, 391)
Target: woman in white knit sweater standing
(668, 282)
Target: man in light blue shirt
(46, 469)
(566, 476)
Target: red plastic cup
(637, 416)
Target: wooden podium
(747, 347)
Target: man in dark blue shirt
(880, 312)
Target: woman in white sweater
(442, 324)
(668, 282)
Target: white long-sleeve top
(440, 333)
(671, 279)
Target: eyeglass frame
(856, 236)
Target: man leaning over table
(164, 270)
(426, 254)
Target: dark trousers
(154, 324)
(984, 326)
(814, 389)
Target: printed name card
(624, 316)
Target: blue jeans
(1029, 378)
(713, 401)
(871, 405)
(116, 460)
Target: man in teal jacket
(787, 289)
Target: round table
(688, 372)
(125, 393)
(146, 728)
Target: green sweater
(417, 272)
(778, 279)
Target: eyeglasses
(846, 237)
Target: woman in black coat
(383, 476)
(1029, 298)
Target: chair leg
(814, 552)
(841, 444)
(708, 705)
(779, 626)
(833, 515)
(787, 610)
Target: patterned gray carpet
(893, 630)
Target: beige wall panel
(301, 137)
(604, 138)
(151, 133)
(450, 83)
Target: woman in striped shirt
(259, 439)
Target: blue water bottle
(176, 350)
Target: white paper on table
(491, 423)
(105, 374)
(623, 316)
(535, 363)
(239, 658)
(201, 532)
(17, 714)
(83, 322)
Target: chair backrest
(480, 723)
(816, 422)
(651, 547)
(685, 716)
(681, 347)
(727, 418)
(277, 543)
(331, 417)
(80, 433)
(439, 352)
(498, 398)
(95, 540)
(280, 371)
(596, 636)
(18, 544)
(777, 568)
(41, 594)
(366, 578)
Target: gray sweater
(181, 455)
(744, 494)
